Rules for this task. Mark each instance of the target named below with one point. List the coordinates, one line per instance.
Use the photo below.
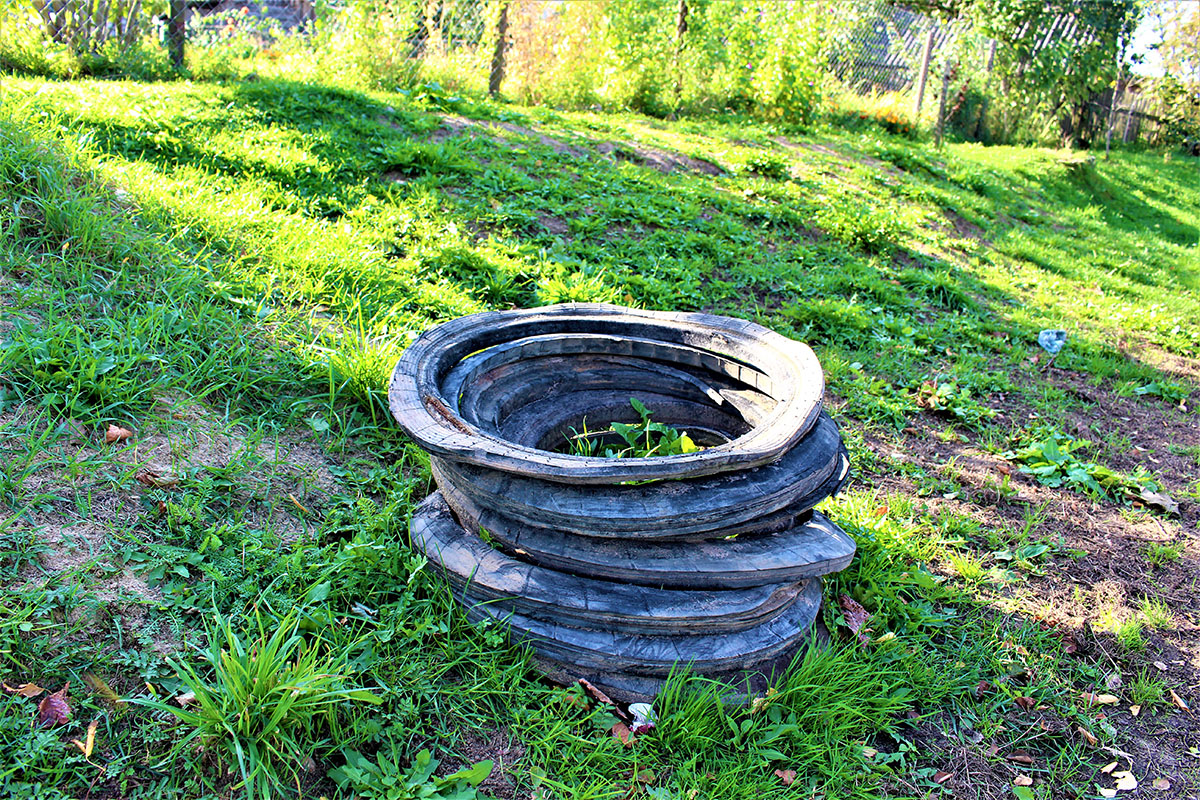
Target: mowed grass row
(251, 259)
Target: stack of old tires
(618, 570)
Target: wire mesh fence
(882, 48)
(936, 72)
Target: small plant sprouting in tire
(649, 438)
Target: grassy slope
(289, 238)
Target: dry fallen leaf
(1020, 757)
(1091, 698)
(1108, 792)
(869, 753)
(941, 776)
(149, 477)
(1160, 666)
(647, 776)
(788, 776)
(1026, 703)
(856, 617)
(99, 687)
(25, 689)
(1160, 501)
(1086, 734)
(621, 731)
(1125, 781)
(186, 699)
(54, 708)
(1022, 780)
(116, 434)
(982, 688)
(596, 694)
(299, 505)
(1179, 701)
(1161, 784)
(1135, 710)
(1108, 768)
(86, 749)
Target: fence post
(176, 31)
(941, 118)
(923, 76)
(991, 62)
(681, 27)
(497, 74)
(1112, 115)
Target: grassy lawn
(229, 272)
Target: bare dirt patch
(664, 161)
(489, 744)
(963, 228)
(1095, 578)
(554, 225)
(454, 125)
(849, 158)
(1171, 363)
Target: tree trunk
(496, 77)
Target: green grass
(231, 270)
(1146, 690)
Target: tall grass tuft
(270, 698)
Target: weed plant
(270, 705)
(643, 440)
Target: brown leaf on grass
(982, 688)
(1022, 780)
(621, 731)
(86, 748)
(186, 699)
(856, 617)
(1004, 468)
(299, 505)
(1179, 701)
(25, 689)
(1126, 781)
(1163, 502)
(54, 708)
(941, 776)
(1020, 757)
(647, 776)
(102, 689)
(1087, 735)
(788, 776)
(595, 693)
(1161, 784)
(149, 477)
(1093, 699)
(1027, 703)
(116, 434)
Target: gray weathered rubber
(785, 370)
(620, 570)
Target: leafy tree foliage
(1053, 55)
